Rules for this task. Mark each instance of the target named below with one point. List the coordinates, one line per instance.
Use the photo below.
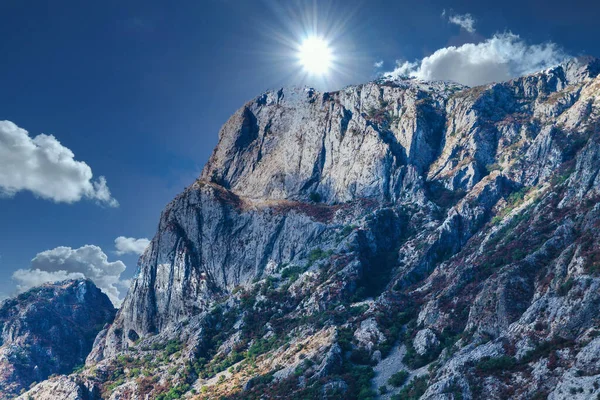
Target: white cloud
(502, 57)
(126, 245)
(46, 168)
(465, 21)
(378, 64)
(61, 263)
(29, 278)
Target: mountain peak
(49, 329)
(388, 232)
(580, 68)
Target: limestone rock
(425, 341)
(48, 330)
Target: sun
(315, 55)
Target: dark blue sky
(139, 89)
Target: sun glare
(315, 55)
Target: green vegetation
(359, 378)
(78, 369)
(292, 272)
(495, 365)
(344, 338)
(348, 229)
(504, 363)
(565, 288)
(361, 356)
(380, 116)
(513, 201)
(318, 254)
(414, 390)
(315, 197)
(455, 390)
(391, 323)
(415, 360)
(399, 378)
(544, 349)
(172, 347)
(441, 196)
(261, 346)
(175, 392)
(493, 167)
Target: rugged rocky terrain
(49, 330)
(397, 239)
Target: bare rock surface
(49, 330)
(330, 230)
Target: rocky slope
(397, 239)
(49, 330)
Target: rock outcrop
(49, 330)
(448, 231)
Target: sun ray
(315, 55)
(295, 30)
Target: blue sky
(138, 90)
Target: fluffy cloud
(465, 21)
(502, 57)
(46, 168)
(126, 245)
(66, 263)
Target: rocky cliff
(398, 239)
(49, 330)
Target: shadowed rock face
(448, 231)
(48, 330)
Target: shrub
(174, 393)
(493, 167)
(544, 349)
(348, 229)
(359, 378)
(415, 360)
(318, 254)
(399, 378)
(171, 347)
(442, 196)
(565, 288)
(315, 197)
(344, 338)
(517, 198)
(261, 346)
(489, 365)
(361, 356)
(291, 272)
(414, 390)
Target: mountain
(398, 239)
(49, 330)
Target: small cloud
(62, 263)
(500, 58)
(127, 245)
(46, 168)
(465, 21)
(404, 69)
(378, 64)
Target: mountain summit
(49, 330)
(400, 239)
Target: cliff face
(336, 239)
(49, 330)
